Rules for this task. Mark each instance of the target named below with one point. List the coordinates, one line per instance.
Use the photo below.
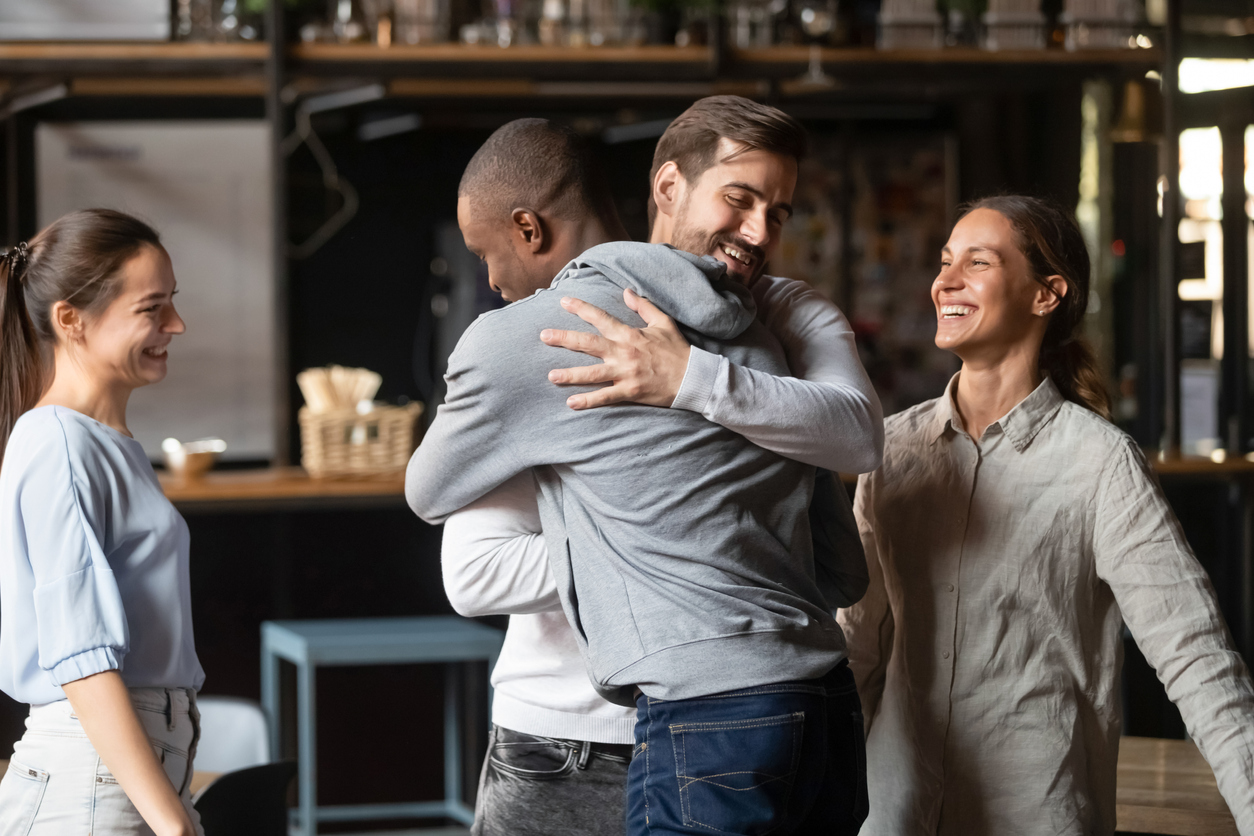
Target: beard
(691, 238)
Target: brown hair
(536, 164)
(76, 259)
(691, 141)
(1051, 241)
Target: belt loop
(169, 710)
(585, 753)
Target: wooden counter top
(292, 487)
(279, 487)
(1166, 787)
(1200, 465)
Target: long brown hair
(76, 259)
(1052, 242)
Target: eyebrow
(976, 249)
(787, 207)
(152, 297)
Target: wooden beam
(158, 86)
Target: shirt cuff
(85, 664)
(698, 383)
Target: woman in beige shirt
(1010, 533)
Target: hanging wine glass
(818, 19)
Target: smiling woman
(93, 557)
(1011, 534)
(1011, 294)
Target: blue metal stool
(371, 641)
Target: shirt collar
(1020, 424)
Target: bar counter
(279, 488)
(291, 487)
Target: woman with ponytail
(95, 616)
(1010, 534)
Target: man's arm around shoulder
(472, 445)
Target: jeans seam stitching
(648, 730)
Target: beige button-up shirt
(988, 648)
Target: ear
(668, 186)
(67, 321)
(1049, 295)
(527, 229)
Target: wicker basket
(343, 443)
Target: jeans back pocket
(21, 793)
(736, 776)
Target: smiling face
(126, 342)
(988, 304)
(734, 210)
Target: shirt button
(945, 655)
(949, 587)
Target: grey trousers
(544, 786)
(58, 786)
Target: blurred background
(301, 160)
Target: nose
(949, 278)
(174, 323)
(756, 229)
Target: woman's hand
(103, 707)
(645, 365)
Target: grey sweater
(681, 551)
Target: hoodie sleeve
(473, 444)
(839, 559)
(500, 415)
(827, 414)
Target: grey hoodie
(681, 551)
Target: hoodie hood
(691, 289)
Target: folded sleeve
(1169, 606)
(79, 617)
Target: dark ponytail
(21, 367)
(1051, 241)
(76, 259)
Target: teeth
(956, 310)
(155, 352)
(737, 254)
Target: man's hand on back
(645, 365)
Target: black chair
(247, 802)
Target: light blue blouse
(93, 562)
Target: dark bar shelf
(184, 68)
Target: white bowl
(190, 460)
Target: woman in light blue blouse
(95, 613)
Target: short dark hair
(691, 141)
(535, 164)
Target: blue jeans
(782, 759)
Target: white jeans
(57, 785)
